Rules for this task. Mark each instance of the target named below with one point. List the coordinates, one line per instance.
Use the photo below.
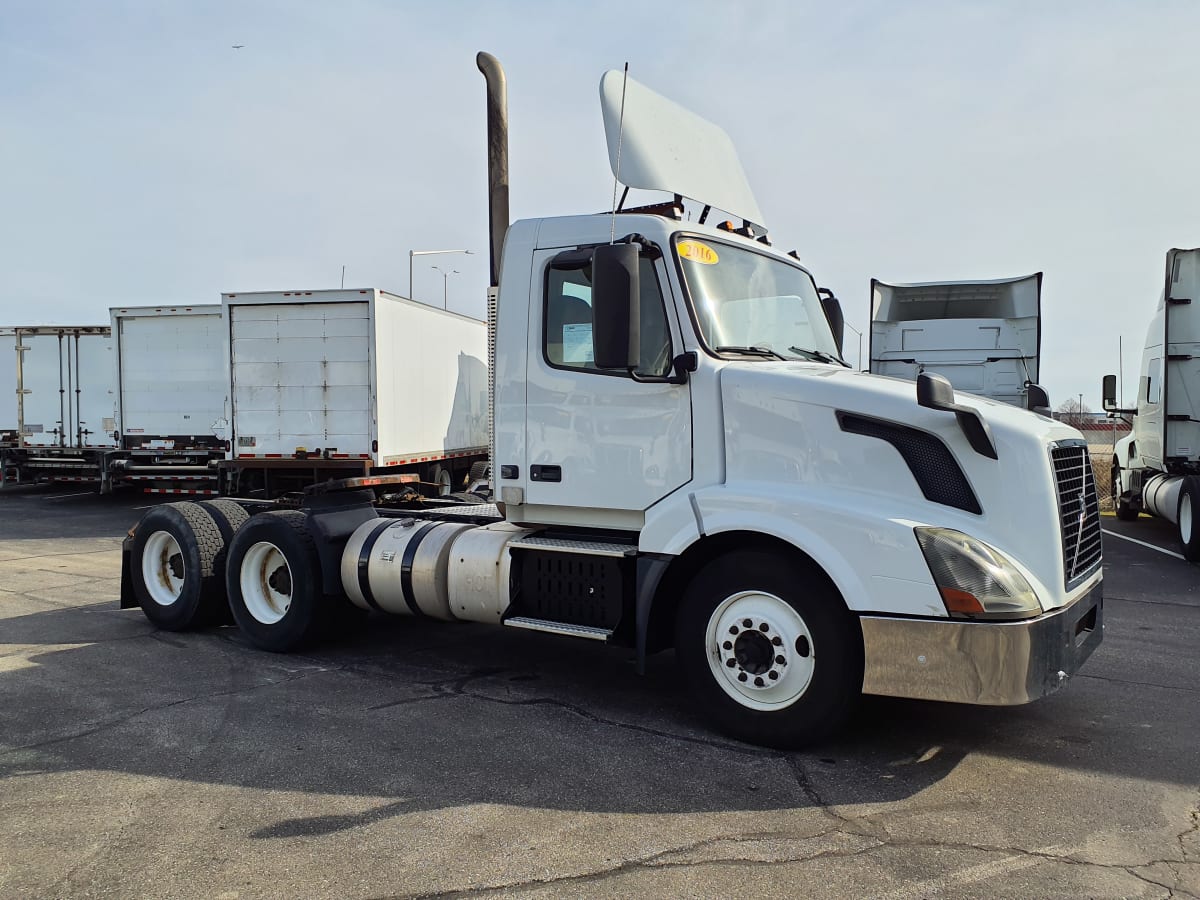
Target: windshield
(745, 301)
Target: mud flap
(128, 599)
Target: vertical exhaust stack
(497, 131)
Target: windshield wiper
(753, 351)
(819, 356)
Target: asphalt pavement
(420, 759)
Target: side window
(1154, 381)
(567, 323)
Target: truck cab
(1156, 468)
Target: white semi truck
(1156, 469)
(984, 336)
(682, 460)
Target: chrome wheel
(760, 650)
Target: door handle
(545, 473)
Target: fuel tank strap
(364, 559)
(406, 566)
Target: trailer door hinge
(1178, 357)
(1179, 301)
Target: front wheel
(1125, 512)
(769, 649)
(1187, 513)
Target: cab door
(596, 438)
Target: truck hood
(785, 423)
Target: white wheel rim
(163, 571)
(444, 482)
(1185, 518)
(266, 582)
(760, 650)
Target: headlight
(974, 580)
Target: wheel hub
(280, 580)
(760, 650)
(755, 651)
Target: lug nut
(780, 659)
(728, 645)
(733, 629)
(773, 675)
(741, 676)
(731, 663)
(758, 682)
(764, 627)
(747, 623)
(777, 641)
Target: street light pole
(446, 273)
(859, 333)
(412, 253)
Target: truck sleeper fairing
(985, 336)
(1181, 361)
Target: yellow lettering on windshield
(697, 252)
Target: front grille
(1078, 510)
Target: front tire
(1125, 512)
(769, 649)
(173, 558)
(1186, 517)
(273, 578)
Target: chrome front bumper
(990, 663)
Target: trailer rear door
(172, 376)
(301, 378)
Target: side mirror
(616, 307)
(1037, 399)
(833, 315)
(1109, 392)
(936, 392)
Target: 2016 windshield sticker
(697, 252)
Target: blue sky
(146, 161)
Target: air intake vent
(1078, 510)
(938, 474)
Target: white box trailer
(172, 386)
(985, 336)
(355, 378)
(61, 404)
(172, 397)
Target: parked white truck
(338, 383)
(984, 336)
(1156, 469)
(682, 460)
(58, 407)
(172, 390)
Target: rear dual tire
(175, 559)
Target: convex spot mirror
(616, 307)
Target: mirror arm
(682, 364)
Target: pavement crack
(1151, 684)
(659, 860)
(92, 728)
